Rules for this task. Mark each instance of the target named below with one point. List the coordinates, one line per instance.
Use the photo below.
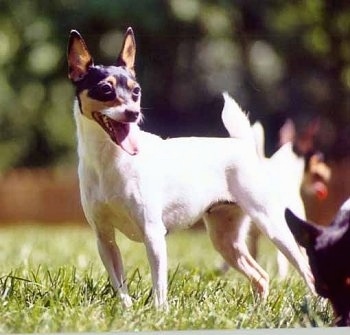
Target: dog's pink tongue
(126, 136)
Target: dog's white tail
(259, 137)
(235, 120)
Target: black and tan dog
(328, 249)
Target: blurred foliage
(278, 58)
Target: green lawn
(52, 280)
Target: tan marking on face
(89, 105)
(130, 84)
(318, 167)
(112, 80)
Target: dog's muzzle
(131, 116)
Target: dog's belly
(184, 215)
(180, 218)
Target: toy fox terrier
(144, 186)
(328, 249)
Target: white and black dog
(144, 186)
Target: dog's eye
(136, 93)
(106, 88)
(103, 92)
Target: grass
(52, 280)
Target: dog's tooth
(107, 123)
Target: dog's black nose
(131, 115)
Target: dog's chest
(104, 203)
(122, 220)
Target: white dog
(144, 187)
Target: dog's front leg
(111, 258)
(157, 256)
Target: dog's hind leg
(227, 227)
(111, 258)
(267, 212)
(282, 238)
(250, 187)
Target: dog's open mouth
(120, 133)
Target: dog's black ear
(304, 232)
(79, 58)
(128, 51)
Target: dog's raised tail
(235, 120)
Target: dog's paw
(126, 300)
(262, 288)
(163, 307)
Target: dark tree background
(278, 58)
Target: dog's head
(317, 172)
(108, 95)
(328, 249)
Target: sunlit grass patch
(52, 280)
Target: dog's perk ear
(127, 54)
(304, 232)
(79, 58)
